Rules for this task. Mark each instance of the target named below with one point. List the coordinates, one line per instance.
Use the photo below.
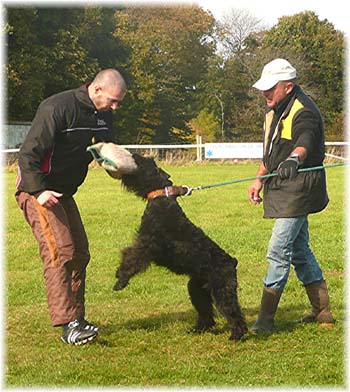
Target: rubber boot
(269, 303)
(319, 299)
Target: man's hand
(288, 169)
(48, 198)
(254, 191)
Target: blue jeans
(289, 244)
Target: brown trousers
(64, 250)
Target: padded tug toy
(114, 159)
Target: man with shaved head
(53, 163)
(107, 90)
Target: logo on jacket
(101, 122)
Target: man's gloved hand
(288, 168)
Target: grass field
(144, 339)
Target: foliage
(25, 64)
(144, 338)
(51, 49)
(178, 62)
(185, 135)
(168, 56)
(318, 52)
(234, 30)
(205, 125)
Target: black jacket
(296, 122)
(53, 155)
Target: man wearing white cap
(293, 139)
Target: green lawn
(144, 339)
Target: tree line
(187, 73)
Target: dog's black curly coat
(168, 238)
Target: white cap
(273, 72)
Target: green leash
(198, 188)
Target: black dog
(168, 238)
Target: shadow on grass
(152, 322)
(287, 320)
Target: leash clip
(188, 190)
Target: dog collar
(168, 191)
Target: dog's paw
(203, 326)
(119, 285)
(238, 332)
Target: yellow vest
(286, 124)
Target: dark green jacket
(296, 122)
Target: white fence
(14, 134)
(217, 150)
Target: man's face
(105, 98)
(277, 93)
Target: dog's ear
(144, 161)
(137, 157)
